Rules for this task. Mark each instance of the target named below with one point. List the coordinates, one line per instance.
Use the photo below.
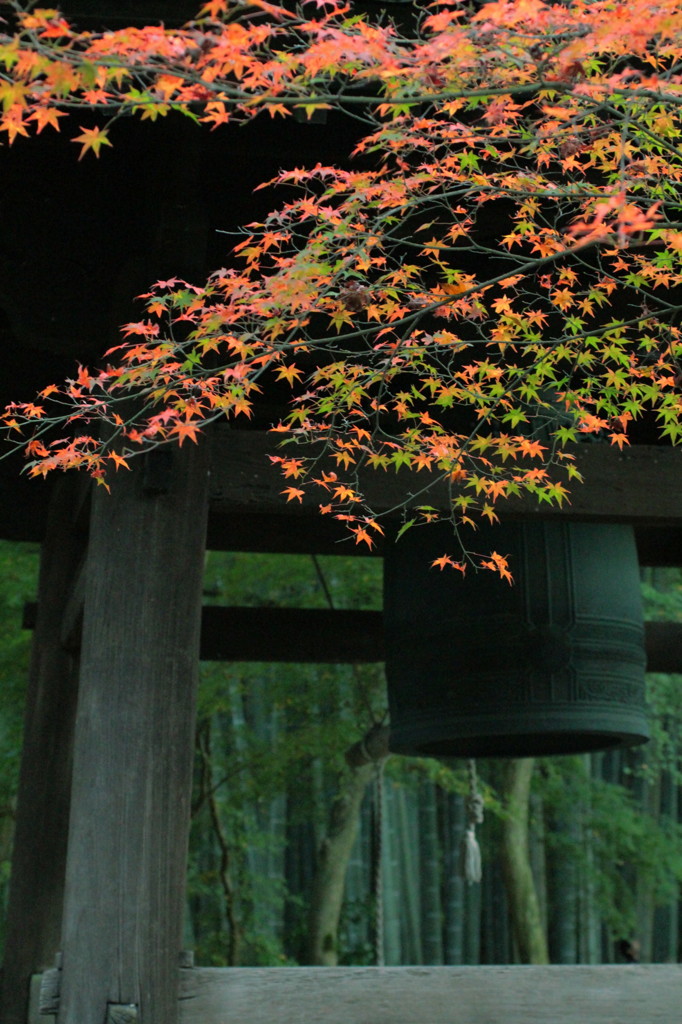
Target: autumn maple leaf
(214, 8)
(92, 138)
(47, 115)
(499, 564)
(293, 492)
(446, 560)
(384, 389)
(185, 428)
(289, 373)
(118, 461)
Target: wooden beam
(629, 994)
(325, 636)
(283, 533)
(248, 512)
(132, 774)
(72, 618)
(34, 913)
(291, 634)
(663, 646)
(290, 534)
(640, 485)
(659, 545)
(320, 635)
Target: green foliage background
(606, 842)
(18, 583)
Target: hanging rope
(471, 851)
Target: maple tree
(497, 275)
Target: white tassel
(471, 856)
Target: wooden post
(133, 754)
(34, 914)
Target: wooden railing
(628, 994)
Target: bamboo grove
(603, 837)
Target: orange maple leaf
(531, 448)
(46, 115)
(184, 429)
(343, 493)
(498, 563)
(92, 138)
(118, 461)
(292, 467)
(293, 492)
(289, 373)
(214, 8)
(619, 439)
(361, 536)
(37, 448)
(496, 488)
(83, 379)
(440, 563)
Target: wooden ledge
(433, 995)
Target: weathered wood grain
(247, 512)
(126, 862)
(433, 995)
(34, 913)
(642, 484)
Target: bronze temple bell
(551, 665)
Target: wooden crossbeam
(642, 484)
(663, 646)
(247, 512)
(321, 635)
(286, 533)
(433, 995)
(291, 634)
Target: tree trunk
(562, 884)
(391, 902)
(126, 865)
(332, 863)
(590, 921)
(471, 938)
(666, 918)
(495, 939)
(522, 898)
(34, 916)
(430, 876)
(405, 829)
(358, 922)
(452, 819)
